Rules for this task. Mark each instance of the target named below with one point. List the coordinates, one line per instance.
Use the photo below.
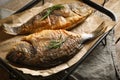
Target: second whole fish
(60, 16)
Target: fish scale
(60, 18)
(51, 51)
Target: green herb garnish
(51, 9)
(56, 43)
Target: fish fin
(97, 32)
(100, 30)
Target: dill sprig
(51, 9)
(56, 43)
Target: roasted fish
(49, 48)
(60, 16)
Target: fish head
(20, 51)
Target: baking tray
(18, 75)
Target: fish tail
(97, 32)
(100, 30)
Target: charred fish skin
(61, 16)
(50, 48)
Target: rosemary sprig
(56, 43)
(51, 9)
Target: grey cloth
(99, 65)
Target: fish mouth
(15, 56)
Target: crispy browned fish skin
(65, 18)
(35, 50)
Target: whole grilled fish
(49, 48)
(61, 16)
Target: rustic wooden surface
(114, 7)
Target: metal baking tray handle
(100, 8)
(29, 5)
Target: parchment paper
(91, 23)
